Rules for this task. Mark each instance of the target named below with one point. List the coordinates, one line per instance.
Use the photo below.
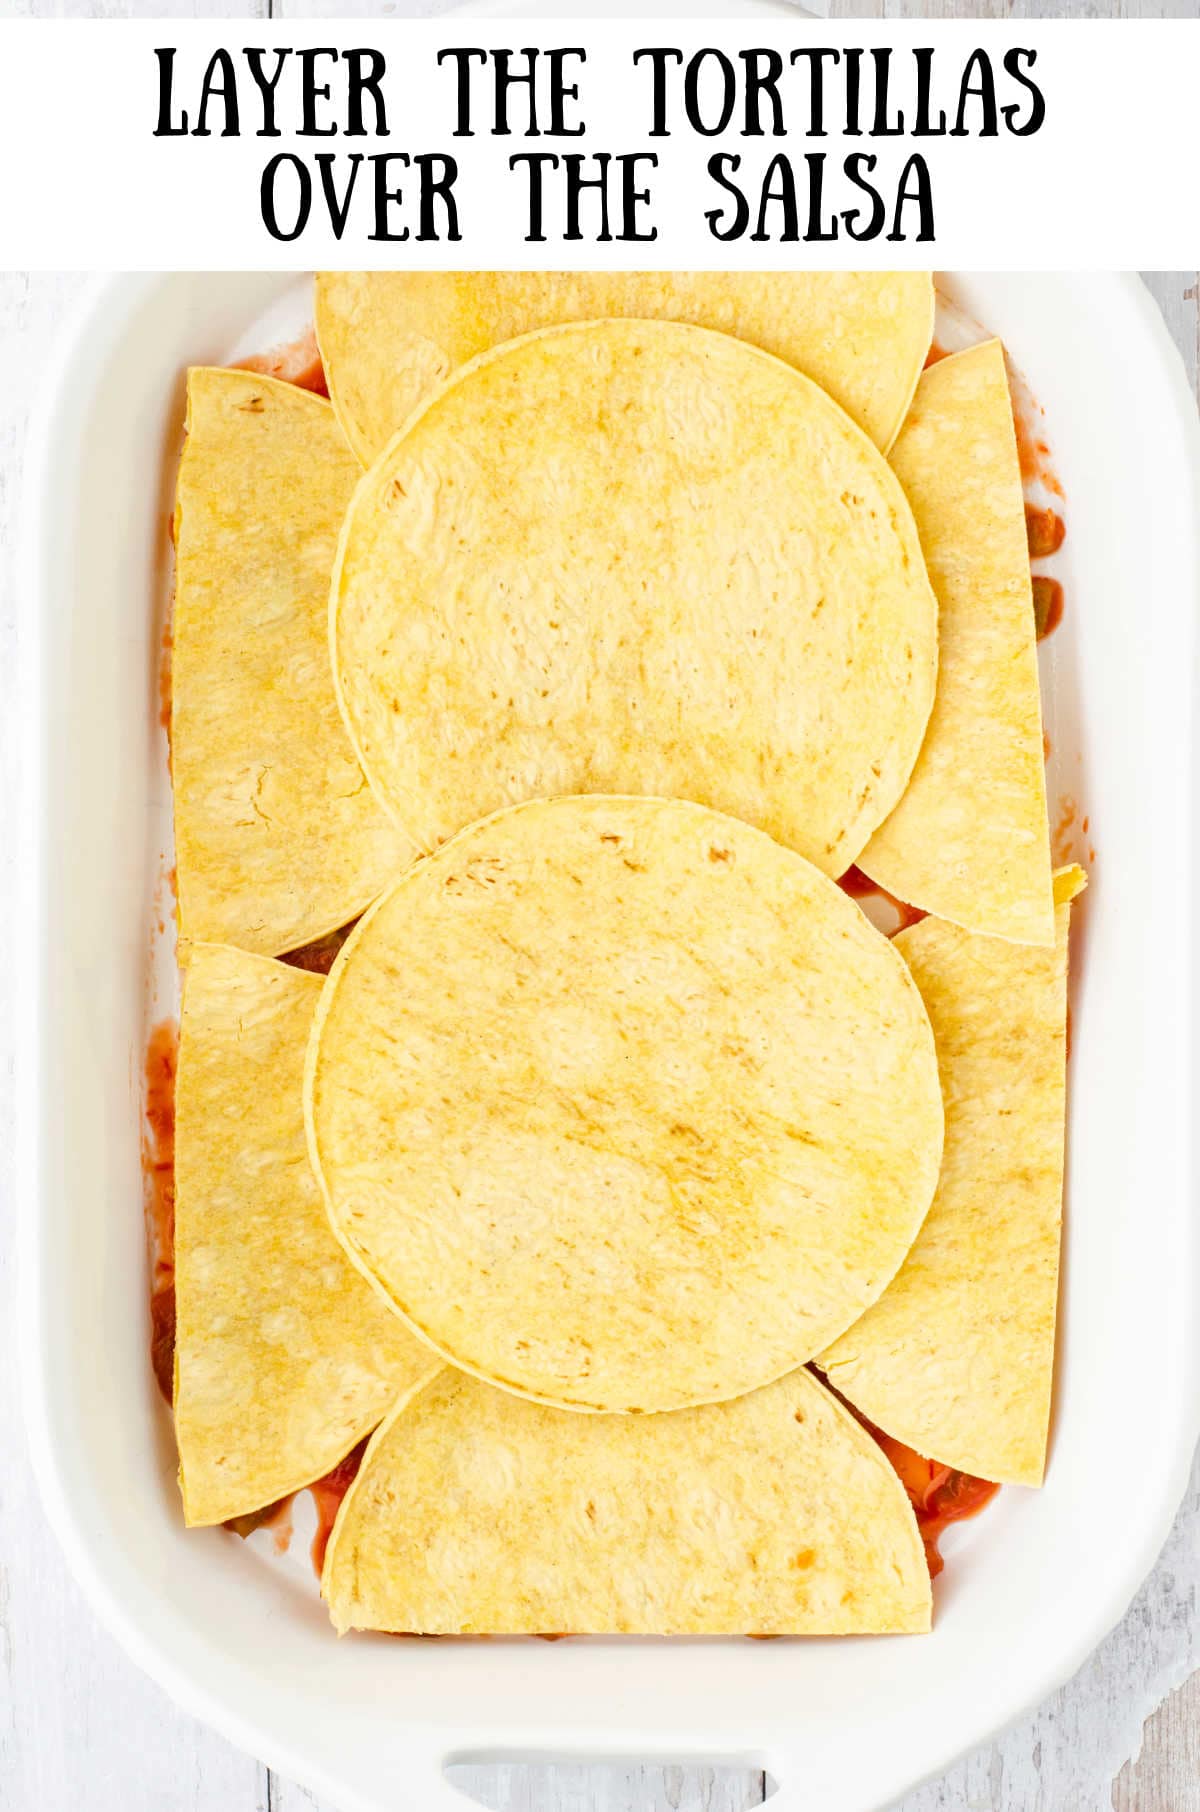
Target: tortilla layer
(635, 557)
(956, 1358)
(970, 840)
(284, 1356)
(389, 337)
(477, 1513)
(623, 1105)
(278, 838)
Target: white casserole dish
(1031, 1587)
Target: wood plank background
(82, 1731)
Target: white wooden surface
(82, 1731)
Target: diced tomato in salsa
(939, 1494)
(1045, 531)
(1047, 605)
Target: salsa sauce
(166, 654)
(861, 887)
(1034, 456)
(1047, 604)
(940, 1495)
(1045, 529)
(298, 363)
(327, 1495)
(158, 1191)
(318, 957)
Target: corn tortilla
(389, 337)
(635, 557)
(284, 1356)
(970, 841)
(623, 1105)
(956, 1358)
(278, 838)
(475, 1512)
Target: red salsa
(327, 1495)
(1045, 531)
(1047, 605)
(940, 1495)
(158, 1173)
(318, 957)
(299, 363)
(860, 887)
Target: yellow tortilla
(636, 557)
(623, 1105)
(388, 338)
(956, 1358)
(284, 1356)
(775, 1514)
(970, 840)
(278, 838)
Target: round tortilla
(623, 1105)
(635, 557)
(389, 337)
(475, 1513)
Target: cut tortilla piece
(476, 1513)
(625, 1106)
(390, 337)
(284, 1355)
(970, 841)
(956, 1359)
(278, 838)
(636, 557)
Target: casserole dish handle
(421, 1784)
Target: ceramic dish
(1032, 1585)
